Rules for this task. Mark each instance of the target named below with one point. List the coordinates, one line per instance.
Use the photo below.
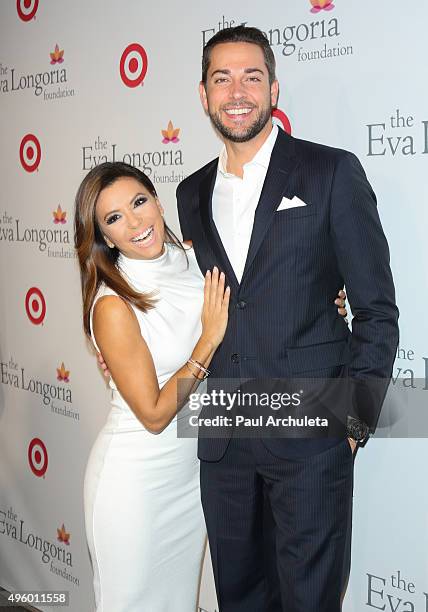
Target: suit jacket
(282, 319)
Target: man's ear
(203, 96)
(274, 93)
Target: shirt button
(235, 358)
(241, 304)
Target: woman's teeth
(145, 236)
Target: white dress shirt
(235, 201)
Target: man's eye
(254, 79)
(139, 201)
(221, 80)
(112, 219)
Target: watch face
(357, 430)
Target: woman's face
(130, 218)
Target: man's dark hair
(240, 34)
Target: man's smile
(237, 111)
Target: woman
(142, 299)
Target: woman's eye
(112, 219)
(139, 201)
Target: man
(289, 222)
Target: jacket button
(235, 358)
(241, 304)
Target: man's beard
(249, 132)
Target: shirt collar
(261, 158)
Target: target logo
(282, 120)
(38, 457)
(35, 306)
(133, 65)
(30, 153)
(27, 9)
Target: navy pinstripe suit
(283, 323)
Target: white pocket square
(287, 203)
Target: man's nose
(236, 89)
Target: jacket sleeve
(363, 259)
(184, 224)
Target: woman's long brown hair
(98, 263)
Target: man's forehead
(237, 55)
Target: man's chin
(237, 134)
(240, 133)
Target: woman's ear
(108, 242)
(159, 205)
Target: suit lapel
(206, 189)
(281, 167)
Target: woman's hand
(341, 302)
(215, 309)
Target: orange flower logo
(57, 55)
(59, 216)
(63, 536)
(170, 134)
(63, 374)
(321, 5)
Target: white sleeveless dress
(144, 521)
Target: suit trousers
(279, 529)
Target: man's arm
(363, 259)
(184, 224)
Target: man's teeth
(238, 111)
(147, 234)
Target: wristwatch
(357, 430)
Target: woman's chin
(149, 251)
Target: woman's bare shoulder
(112, 308)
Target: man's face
(237, 96)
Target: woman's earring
(108, 243)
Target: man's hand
(103, 366)
(352, 444)
(340, 301)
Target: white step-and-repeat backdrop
(85, 82)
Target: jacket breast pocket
(296, 212)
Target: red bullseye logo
(133, 65)
(30, 153)
(38, 457)
(27, 9)
(35, 306)
(283, 120)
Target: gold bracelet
(192, 373)
(200, 367)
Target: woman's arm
(130, 362)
